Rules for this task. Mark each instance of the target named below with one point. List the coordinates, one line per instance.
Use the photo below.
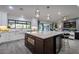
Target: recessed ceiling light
(64, 19)
(48, 16)
(48, 7)
(21, 9)
(59, 13)
(37, 10)
(37, 15)
(11, 8)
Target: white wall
(77, 24)
(19, 18)
(34, 24)
(60, 25)
(47, 22)
(3, 19)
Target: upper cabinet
(70, 25)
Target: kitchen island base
(51, 45)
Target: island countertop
(45, 34)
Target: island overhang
(45, 34)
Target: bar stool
(66, 40)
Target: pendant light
(48, 15)
(37, 13)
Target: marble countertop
(76, 31)
(44, 34)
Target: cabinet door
(38, 46)
(76, 35)
(30, 43)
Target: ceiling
(28, 11)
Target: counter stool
(66, 38)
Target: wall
(3, 19)
(77, 24)
(19, 18)
(60, 25)
(46, 22)
(34, 24)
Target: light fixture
(11, 7)
(59, 13)
(65, 18)
(21, 16)
(37, 10)
(21, 9)
(48, 16)
(37, 13)
(48, 7)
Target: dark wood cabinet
(77, 35)
(43, 46)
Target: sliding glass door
(44, 27)
(41, 27)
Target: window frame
(19, 22)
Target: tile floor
(18, 47)
(72, 48)
(14, 47)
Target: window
(24, 26)
(11, 24)
(28, 25)
(44, 26)
(19, 24)
(41, 27)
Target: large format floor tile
(72, 48)
(18, 47)
(15, 47)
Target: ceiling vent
(21, 9)
(48, 7)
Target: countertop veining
(45, 34)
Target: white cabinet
(72, 35)
(10, 36)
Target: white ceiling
(29, 11)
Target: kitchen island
(44, 42)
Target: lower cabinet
(37, 45)
(77, 35)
